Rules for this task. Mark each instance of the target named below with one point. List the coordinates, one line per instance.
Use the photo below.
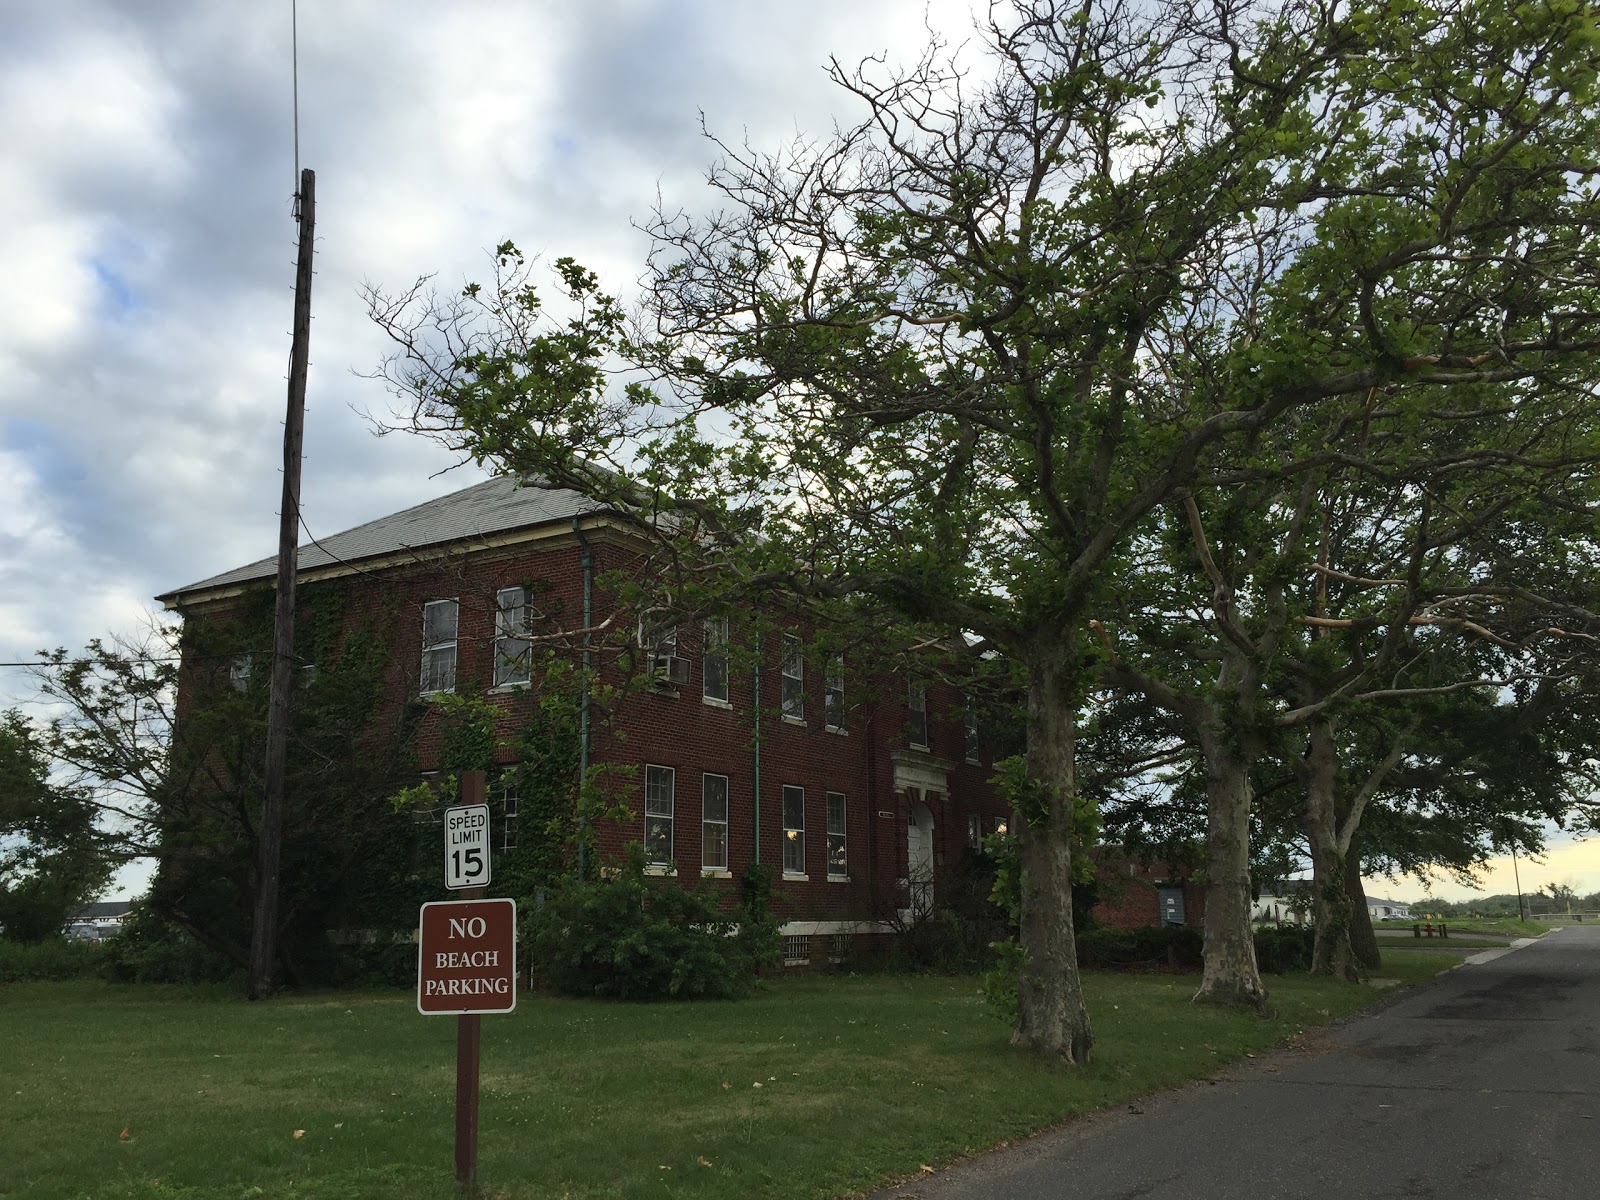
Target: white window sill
(664, 689)
(506, 689)
(838, 729)
(974, 762)
(918, 746)
(797, 876)
(713, 702)
(797, 962)
(715, 873)
(838, 879)
(788, 720)
(449, 691)
(661, 869)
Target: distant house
(1131, 893)
(99, 920)
(1388, 910)
(1283, 902)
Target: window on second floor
(714, 660)
(240, 671)
(972, 731)
(439, 646)
(917, 715)
(833, 693)
(512, 658)
(794, 679)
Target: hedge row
(1279, 951)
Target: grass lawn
(817, 1087)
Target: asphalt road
(1484, 1085)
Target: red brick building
(860, 786)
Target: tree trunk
(1231, 974)
(1363, 940)
(1051, 1016)
(1331, 953)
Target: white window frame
(974, 831)
(917, 706)
(451, 644)
(660, 799)
(508, 817)
(714, 659)
(836, 845)
(833, 713)
(796, 949)
(512, 626)
(794, 834)
(240, 672)
(711, 825)
(792, 698)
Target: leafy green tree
(951, 359)
(170, 760)
(53, 857)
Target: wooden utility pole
(264, 929)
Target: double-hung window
(838, 865)
(794, 679)
(794, 830)
(508, 802)
(714, 660)
(239, 672)
(972, 731)
(439, 646)
(917, 715)
(511, 651)
(833, 693)
(714, 823)
(659, 785)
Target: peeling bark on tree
(1051, 1016)
(1332, 953)
(1231, 975)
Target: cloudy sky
(147, 232)
(148, 241)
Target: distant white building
(1388, 910)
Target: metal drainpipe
(755, 800)
(587, 561)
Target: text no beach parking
(467, 957)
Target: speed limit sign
(466, 846)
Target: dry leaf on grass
(703, 1160)
(298, 1134)
(125, 1136)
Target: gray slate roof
(495, 506)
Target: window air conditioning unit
(669, 669)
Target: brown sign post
(467, 965)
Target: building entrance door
(919, 860)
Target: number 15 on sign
(466, 846)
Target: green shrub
(1284, 949)
(1177, 946)
(150, 949)
(636, 938)
(53, 959)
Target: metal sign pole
(468, 1040)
